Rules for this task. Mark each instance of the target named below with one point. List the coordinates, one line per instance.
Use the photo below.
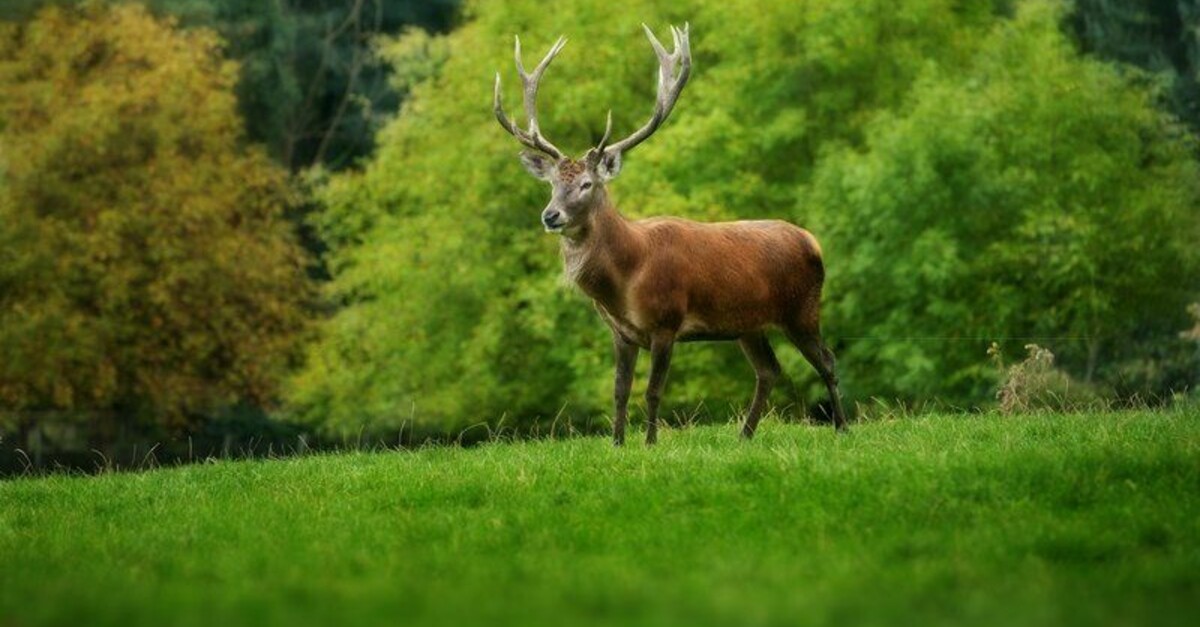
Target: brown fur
(695, 279)
(569, 170)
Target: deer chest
(623, 327)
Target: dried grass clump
(1035, 384)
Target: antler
(533, 137)
(669, 88)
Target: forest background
(249, 225)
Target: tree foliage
(1039, 196)
(973, 169)
(1160, 36)
(146, 265)
(452, 309)
(971, 174)
(311, 87)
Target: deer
(663, 280)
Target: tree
(345, 96)
(1160, 37)
(146, 265)
(310, 87)
(451, 308)
(1039, 197)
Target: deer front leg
(626, 359)
(660, 363)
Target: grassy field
(1042, 520)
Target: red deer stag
(665, 280)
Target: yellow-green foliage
(452, 308)
(145, 262)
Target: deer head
(578, 185)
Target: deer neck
(602, 257)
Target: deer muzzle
(553, 220)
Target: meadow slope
(1036, 520)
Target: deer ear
(608, 166)
(539, 165)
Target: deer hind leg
(766, 371)
(660, 362)
(808, 340)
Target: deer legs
(822, 359)
(626, 359)
(757, 350)
(660, 363)
(766, 372)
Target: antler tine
(529, 82)
(659, 51)
(498, 109)
(517, 58)
(607, 132)
(593, 155)
(670, 85)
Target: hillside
(1043, 520)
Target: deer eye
(585, 185)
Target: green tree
(451, 306)
(146, 266)
(1041, 194)
(1160, 36)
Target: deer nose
(551, 217)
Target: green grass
(1042, 520)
